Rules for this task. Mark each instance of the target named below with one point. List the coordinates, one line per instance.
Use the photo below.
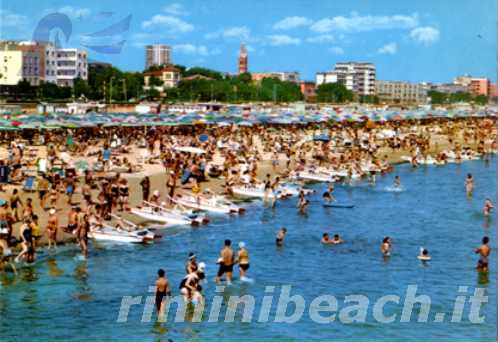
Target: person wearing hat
(52, 225)
(191, 263)
(243, 257)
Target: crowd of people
(83, 175)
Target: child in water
(424, 255)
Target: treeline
(438, 97)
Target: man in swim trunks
(243, 257)
(280, 237)
(483, 251)
(162, 290)
(226, 262)
(72, 220)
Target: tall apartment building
(71, 64)
(401, 92)
(357, 77)
(42, 62)
(157, 55)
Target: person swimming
(386, 246)
(280, 237)
(337, 240)
(424, 255)
(483, 251)
(326, 239)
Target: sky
(417, 40)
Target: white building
(357, 77)
(71, 64)
(157, 55)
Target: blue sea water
(66, 299)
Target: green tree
(481, 100)
(460, 96)
(333, 92)
(370, 99)
(437, 97)
(155, 82)
(81, 88)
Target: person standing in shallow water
(469, 184)
(488, 206)
(243, 257)
(162, 290)
(226, 262)
(483, 251)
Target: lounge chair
(29, 184)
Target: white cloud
(282, 39)
(191, 49)
(336, 50)
(323, 38)
(291, 23)
(176, 9)
(388, 49)
(8, 18)
(172, 24)
(237, 32)
(242, 33)
(74, 12)
(425, 35)
(358, 23)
